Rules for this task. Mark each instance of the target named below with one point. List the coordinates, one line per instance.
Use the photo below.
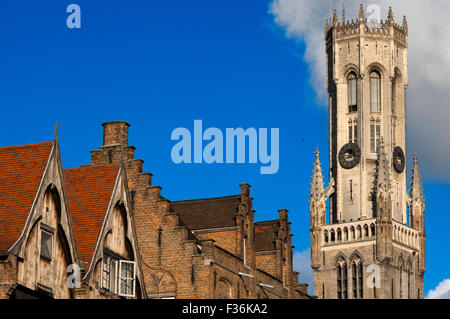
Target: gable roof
(21, 171)
(266, 235)
(208, 213)
(89, 189)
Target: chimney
(115, 144)
(283, 214)
(115, 133)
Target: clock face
(349, 155)
(398, 159)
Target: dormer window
(118, 275)
(46, 244)
(351, 88)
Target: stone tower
(367, 245)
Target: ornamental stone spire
(416, 191)
(317, 188)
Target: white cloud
(428, 95)
(442, 291)
(302, 264)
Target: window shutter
(127, 278)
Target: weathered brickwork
(187, 253)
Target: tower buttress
(384, 207)
(317, 210)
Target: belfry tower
(371, 241)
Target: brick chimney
(115, 132)
(115, 141)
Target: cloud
(302, 264)
(442, 291)
(428, 95)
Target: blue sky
(162, 64)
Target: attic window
(119, 275)
(46, 245)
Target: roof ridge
(86, 167)
(24, 145)
(204, 199)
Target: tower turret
(366, 79)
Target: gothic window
(357, 278)
(359, 231)
(325, 234)
(339, 282)
(375, 92)
(401, 274)
(332, 235)
(345, 234)
(366, 231)
(361, 282)
(409, 270)
(341, 279)
(372, 230)
(353, 131)
(375, 135)
(352, 232)
(354, 282)
(339, 234)
(351, 88)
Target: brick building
(203, 248)
(109, 221)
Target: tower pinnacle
(361, 13)
(317, 188)
(416, 182)
(391, 16)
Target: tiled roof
(208, 213)
(21, 170)
(265, 235)
(89, 189)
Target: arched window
(339, 281)
(357, 278)
(351, 88)
(375, 92)
(366, 231)
(354, 282)
(341, 269)
(325, 234)
(361, 281)
(372, 230)
(339, 234)
(408, 269)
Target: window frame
(123, 262)
(44, 229)
(375, 77)
(352, 92)
(114, 269)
